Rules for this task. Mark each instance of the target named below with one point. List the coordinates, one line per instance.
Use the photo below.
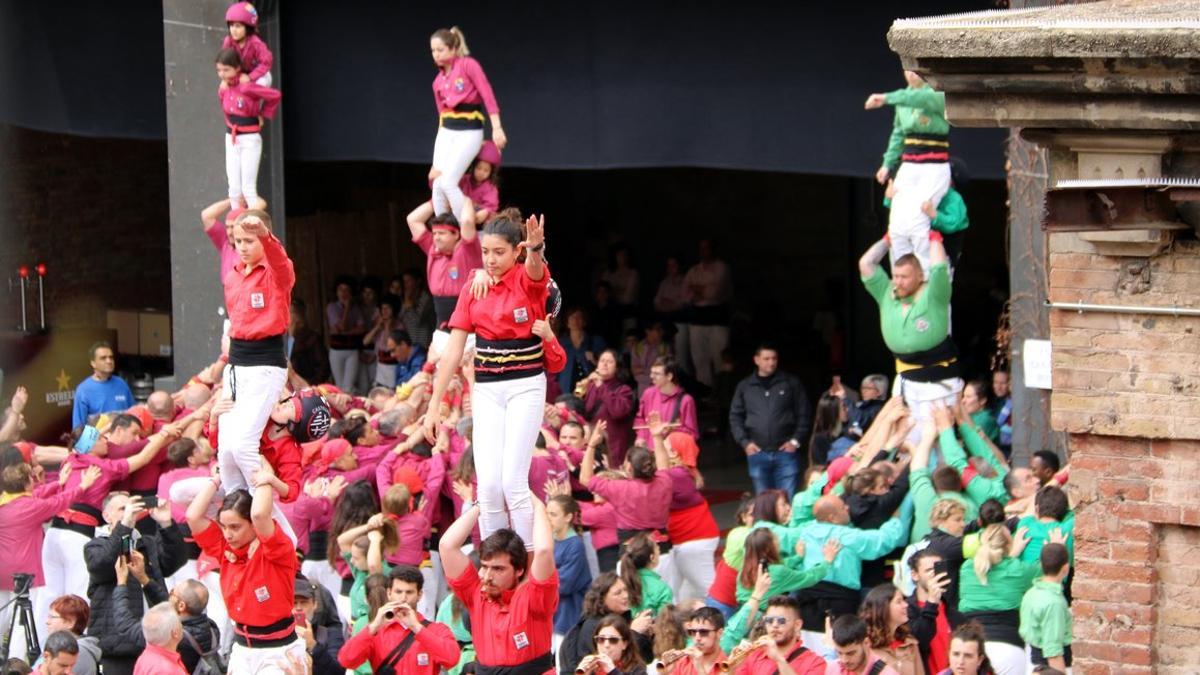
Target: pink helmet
(242, 12)
(490, 154)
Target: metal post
(42, 299)
(24, 321)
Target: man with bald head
(189, 599)
(838, 593)
(161, 407)
(163, 631)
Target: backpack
(211, 662)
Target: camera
(22, 582)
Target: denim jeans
(774, 469)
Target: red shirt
(158, 661)
(259, 589)
(258, 303)
(685, 666)
(433, 649)
(283, 454)
(447, 274)
(514, 629)
(145, 478)
(508, 311)
(805, 663)
(939, 646)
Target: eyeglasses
(699, 632)
(768, 620)
(605, 639)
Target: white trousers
(1006, 659)
(321, 572)
(241, 166)
(921, 396)
(265, 80)
(707, 343)
(908, 226)
(215, 609)
(694, 568)
(267, 660)
(255, 390)
(65, 570)
(508, 419)
(344, 363)
(453, 152)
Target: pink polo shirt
(653, 400)
(111, 471)
(546, 467)
(639, 505)
(483, 195)
(447, 274)
(413, 529)
(144, 479)
(601, 519)
(463, 83)
(166, 480)
(21, 532)
(306, 515)
(158, 661)
(220, 239)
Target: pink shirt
(654, 400)
(543, 468)
(306, 515)
(413, 529)
(639, 504)
(247, 99)
(165, 481)
(220, 239)
(463, 82)
(447, 274)
(601, 519)
(158, 661)
(255, 54)
(432, 472)
(21, 532)
(144, 479)
(483, 195)
(111, 471)
(835, 667)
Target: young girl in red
(510, 364)
(257, 59)
(461, 92)
(244, 104)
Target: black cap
(305, 588)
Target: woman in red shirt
(510, 365)
(258, 573)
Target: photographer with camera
(125, 565)
(399, 639)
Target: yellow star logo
(63, 380)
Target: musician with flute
(615, 652)
(780, 651)
(704, 627)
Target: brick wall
(1126, 374)
(95, 211)
(1126, 389)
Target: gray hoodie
(89, 656)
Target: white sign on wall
(1035, 355)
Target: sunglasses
(699, 632)
(604, 639)
(768, 620)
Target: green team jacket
(918, 111)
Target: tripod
(23, 613)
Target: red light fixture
(41, 269)
(23, 271)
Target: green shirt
(656, 594)
(358, 591)
(857, 546)
(920, 486)
(1045, 618)
(918, 111)
(788, 576)
(788, 537)
(1039, 535)
(918, 322)
(1006, 585)
(735, 546)
(445, 615)
(738, 626)
(980, 488)
(985, 421)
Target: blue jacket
(574, 577)
(93, 397)
(416, 360)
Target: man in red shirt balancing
(510, 599)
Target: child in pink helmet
(480, 185)
(242, 19)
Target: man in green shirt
(1045, 617)
(914, 316)
(918, 158)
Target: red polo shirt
(804, 663)
(259, 302)
(508, 311)
(514, 629)
(283, 454)
(158, 661)
(685, 666)
(432, 650)
(259, 589)
(448, 273)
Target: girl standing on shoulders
(461, 92)
(244, 104)
(242, 19)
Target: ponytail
(639, 550)
(994, 544)
(453, 38)
(760, 546)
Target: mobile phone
(941, 567)
(150, 501)
(126, 546)
(301, 619)
(763, 565)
